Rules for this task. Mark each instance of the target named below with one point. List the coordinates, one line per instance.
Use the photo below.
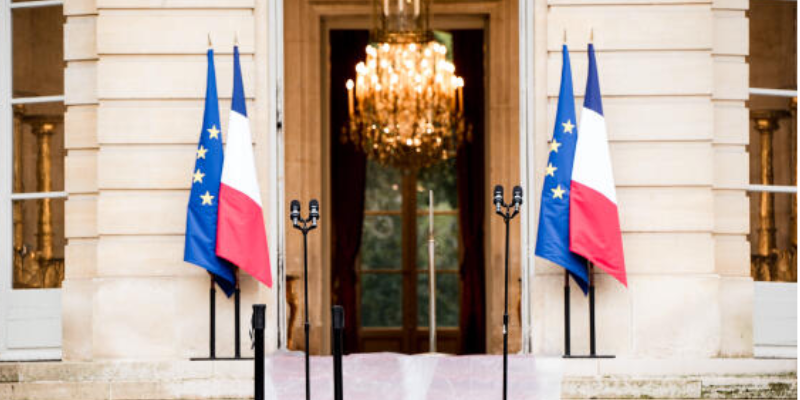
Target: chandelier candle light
(406, 104)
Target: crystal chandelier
(406, 104)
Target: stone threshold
(622, 378)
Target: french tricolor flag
(593, 217)
(241, 234)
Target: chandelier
(406, 103)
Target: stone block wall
(135, 84)
(675, 80)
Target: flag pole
(567, 334)
(588, 231)
(212, 306)
(237, 346)
(592, 339)
(592, 319)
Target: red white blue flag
(594, 229)
(552, 241)
(241, 233)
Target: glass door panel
(393, 278)
(33, 140)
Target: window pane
(38, 231)
(381, 242)
(38, 51)
(445, 231)
(382, 190)
(779, 129)
(38, 148)
(773, 216)
(447, 301)
(381, 300)
(773, 236)
(441, 178)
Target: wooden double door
(392, 267)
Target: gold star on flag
(213, 133)
(201, 152)
(550, 170)
(558, 192)
(554, 145)
(207, 198)
(568, 126)
(198, 176)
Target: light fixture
(406, 104)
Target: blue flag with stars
(201, 217)
(552, 241)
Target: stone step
(582, 379)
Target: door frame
(361, 22)
(529, 72)
(306, 147)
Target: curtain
(348, 178)
(468, 58)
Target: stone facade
(131, 140)
(674, 76)
(675, 80)
(582, 379)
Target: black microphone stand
(305, 226)
(508, 212)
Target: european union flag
(553, 238)
(201, 217)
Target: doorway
(380, 216)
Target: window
(33, 140)
(32, 192)
(773, 141)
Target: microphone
(294, 214)
(313, 211)
(498, 197)
(517, 197)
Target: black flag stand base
(592, 336)
(212, 325)
(337, 343)
(257, 324)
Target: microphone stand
(508, 212)
(305, 225)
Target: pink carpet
(389, 376)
